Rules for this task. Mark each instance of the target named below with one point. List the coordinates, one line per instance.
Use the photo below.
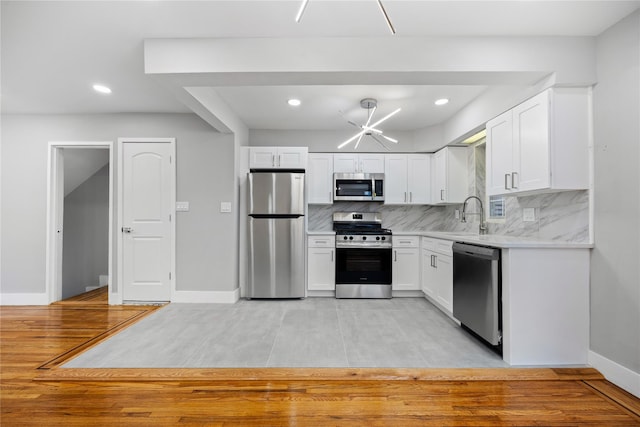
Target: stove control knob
(345, 237)
(350, 237)
(378, 237)
(384, 238)
(364, 237)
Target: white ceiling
(52, 52)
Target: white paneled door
(148, 201)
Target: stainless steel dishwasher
(477, 290)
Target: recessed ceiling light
(441, 101)
(101, 89)
(294, 102)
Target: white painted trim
(621, 376)
(24, 299)
(120, 212)
(323, 294)
(215, 297)
(53, 289)
(407, 294)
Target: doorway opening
(79, 219)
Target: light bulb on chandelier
(370, 105)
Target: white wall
(86, 232)
(615, 271)
(206, 176)
(322, 141)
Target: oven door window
(353, 187)
(363, 266)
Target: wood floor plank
(30, 336)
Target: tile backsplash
(558, 216)
(562, 216)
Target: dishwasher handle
(476, 251)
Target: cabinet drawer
(406, 241)
(321, 241)
(437, 245)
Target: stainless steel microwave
(360, 187)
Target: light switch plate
(225, 207)
(528, 214)
(457, 214)
(182, 206)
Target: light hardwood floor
(34, 391)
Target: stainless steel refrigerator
(276, 234)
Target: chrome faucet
(483, 226)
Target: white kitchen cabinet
(437, 272)
(320, 178)
(358, 163)
(406, 263)
(540, 145)
(450, 176)
(407, 179)
(321, 267)
(428, 274)
(278, 157)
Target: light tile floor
(315, 332)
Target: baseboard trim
(621, 376)
(24, 299)
(407, 294)
(210, 297)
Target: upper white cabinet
(278, 157)
(541, 145)
(358, 163)
(320, 178)
(450, 176)
(407, 178)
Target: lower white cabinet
(437, 272)
(321, 263)
(406, 263)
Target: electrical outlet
(457, 214)
(529, 214)
(225, 207)
(182, 206)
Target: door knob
(127, 229)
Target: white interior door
(148, 199)
(59, 220)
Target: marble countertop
(498, 241)
(320, 233)
(494, 240)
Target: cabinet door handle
(513, 179)
(395, 256)
(442, 195)
(331, 255)
(279, 160)
(506, 181)
(405, 197)
(273, 160)
(410, 196)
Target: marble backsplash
(562, 216)
(558, 216)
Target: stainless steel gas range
(363, 255)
